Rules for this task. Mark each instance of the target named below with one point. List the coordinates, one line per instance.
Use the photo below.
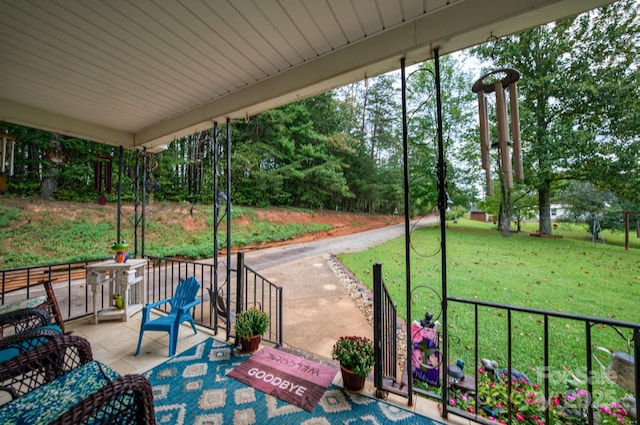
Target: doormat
(289, 378)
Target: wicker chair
(30, 329)
(23, 320)
(52, 305)
(29, 371)
(34, 375)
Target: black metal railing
(253, 288)
(385, 338)
(162, 276)
(563, 350)
(556, 367)
(69, 284)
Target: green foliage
(7, 215)
(251, 322)
(574, 100)
(354, 353)
(455, 212)
(528, 405)
(567, 274)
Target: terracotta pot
(249, 345)
(352, 382)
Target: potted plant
(355, 354)
(250, 325)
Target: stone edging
(363, 299)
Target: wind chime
(102, 173)
(194, 171)
(8, 148)
(487, 84)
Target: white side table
(126, 279)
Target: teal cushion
(8, 353)
(26, 345)
(19, 305)
(48, 402)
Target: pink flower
(452, 401)
(605, 409)
(520, 416)
(581, 392)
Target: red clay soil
(342, 223)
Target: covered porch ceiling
(142, 73)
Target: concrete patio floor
(317, 310)
(114, 343)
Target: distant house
(478, 215)
(559, 212)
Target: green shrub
(251, 322)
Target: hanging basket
(352, 382)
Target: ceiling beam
(29, 116)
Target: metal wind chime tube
(8, 145)
(510, 163)
(503, 135)
(485, 144)
(515, 132)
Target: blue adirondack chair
(181, 304)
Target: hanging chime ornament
(498, 81)
(8, 149)
(55, 154)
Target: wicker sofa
(23, 330)
(60, 383)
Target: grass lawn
(569, 274)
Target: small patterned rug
(194, 388)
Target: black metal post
(442, 206)
(636, 356)
(228, 193)
(119, 193)
(239, 290)
(407, 229)
(144, 198)
(547, 419)
(587, 331)
(216, 217)
(137, 203)
(377, 326)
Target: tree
(578, 77)
(457, 115)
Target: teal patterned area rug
(193, 389)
